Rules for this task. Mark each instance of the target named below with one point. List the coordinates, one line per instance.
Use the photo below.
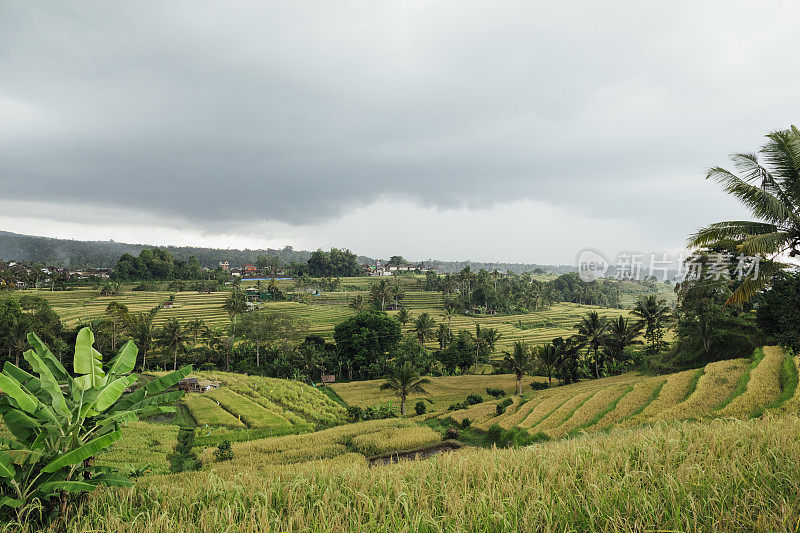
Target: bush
(539, 385)
(223, 451)
(513, 438)
(496, 393)
(465, 423)
(208, 367)
(354, 413)
(503, 405)
(474, 399)
(420, 408)
(451, 433)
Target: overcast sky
(515, 131)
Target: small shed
(328, 378)
(189, 385)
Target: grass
(690, 476)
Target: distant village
(378, 268)
(20, 275)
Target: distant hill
(105, 254)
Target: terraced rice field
(258, 403)
(351, 440)
(84, 305)
(322, 312)
(736, 387)
(443, 391)
(539, 327)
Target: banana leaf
(84, 452)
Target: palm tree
(622, 333)
(653, 312)
(772, 193)
(173, 339)
(404, 316)
(379, 293)
(549, 357)
(119, 316)
(235, 305)
(17, 337)
(196, 328)
(592, 334)
(142, 331)
(424, 325)
(404, 381)
(444, 336)
(519, 362)
(490, 339)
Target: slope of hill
(735, 387)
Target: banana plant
(60, 420)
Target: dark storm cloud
(297, 111)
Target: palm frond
(754, 283)
(762, 204)
(768, 243)
(734, 230)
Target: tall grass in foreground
(721, 475)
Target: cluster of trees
(334, 263)
(20, 316)
(484, 291)
(156, 264)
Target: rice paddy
(689, 476)
(720, 389)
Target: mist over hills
(105, 254)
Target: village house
(224, 265)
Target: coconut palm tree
(653, 313)
(379, 293)
(622, 333)
(519, 362)
(772, 193)
(592, 333)
(404, 381)
(143, 331)
(549, 357)
(424, 325)
(235, 305)
(490, 337)
(119, 317)
(196, 328)
(173, 339)
(403, 316)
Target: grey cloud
(298, 111)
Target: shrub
(451, 433)
(420, 408)
(503, 405)
(355, 413)
(474, 399)
(539, 385)
(512, 438)
(496, 393)
(223, 451)
(465, 423)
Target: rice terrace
(399, 267)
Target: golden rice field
(443, 391)
(260, 402)
(687, 476)
(322, 312)
(736, 387)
